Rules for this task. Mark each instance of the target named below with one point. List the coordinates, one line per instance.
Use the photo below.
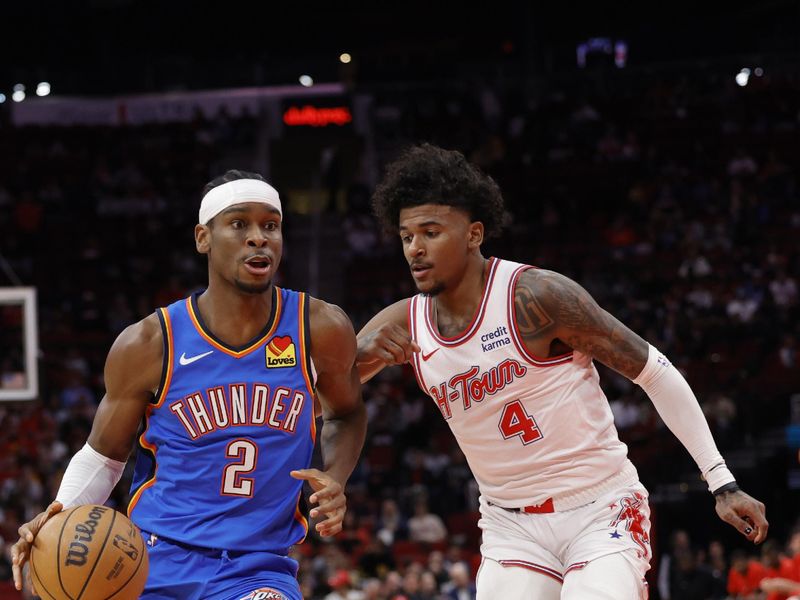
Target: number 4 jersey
(535, 431)
(224, 430)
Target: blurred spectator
(721, 412)
(361, 233)
(391, 524)
(627, 412)
(436, 567)
(689, 579)
(428, 586)
(426, 526)
(376, 559)
(787, 353)
(393, 586)
(5, 561)
(718, 567)
(779, 577)
(743, 306)
(679, 544)
(460, 586)
(411, 586)
(784, 290)
(742, 164)
(342, 587)
(695, 266)
(744, 576)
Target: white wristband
(678, 407)
(89, 478)
(718, 476)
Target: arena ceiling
(113, 46)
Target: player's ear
(202, 238)
(475, 234)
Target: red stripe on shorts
(534, 567)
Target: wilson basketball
(89, 552)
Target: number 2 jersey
(224, 430)
(533, 430)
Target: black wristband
(728, 487)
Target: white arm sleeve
(678, 407)
(89, 478)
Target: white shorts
(554, 544)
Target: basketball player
(224, 383)
(505, 351)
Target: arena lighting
(758, 72)
(2, 98)
(19, 87)
(313, 116)
(345, 58)
(742, 77)
(18, 96)
(306, 80)
(43, 89)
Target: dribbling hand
(745, 513)
(329, 495)
(21, 551)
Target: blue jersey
(224, 430)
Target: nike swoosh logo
(187, 361)
(425, 357)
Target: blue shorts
(185, 572)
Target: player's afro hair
(427, 174)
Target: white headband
(237, 192)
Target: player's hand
(21, 551)
(329, 495)
(390, 344)
(745, 513)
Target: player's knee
(514, 583)
(611, 577)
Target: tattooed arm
(552, 312)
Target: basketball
(89, 552)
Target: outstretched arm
(385, 341)
(553, 308)
(333, 350)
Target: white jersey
(534, 430)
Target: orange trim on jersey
(150, 482)
(302, 327)
(304, 363)
(536, 361)
(477, 318)
(314, 419)
(237, 353)
(162, 394)
(170, 357)
(298, 515)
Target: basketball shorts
(555, 543)
(185, 572)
